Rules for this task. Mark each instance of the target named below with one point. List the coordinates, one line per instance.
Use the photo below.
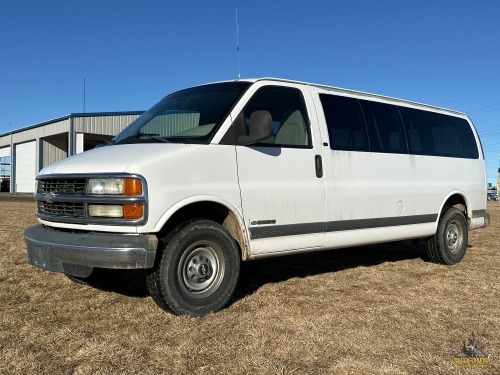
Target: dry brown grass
(371, 310)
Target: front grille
(62, 186)
(76, 210)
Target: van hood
(110, 159)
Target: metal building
(32, 148)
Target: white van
(227, 172)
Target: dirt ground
(370, 310)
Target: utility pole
(498, 178)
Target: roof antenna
(238, 44)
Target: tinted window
(346, 125)
(288, 111)
(436, 134)
(385, 128)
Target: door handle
(319, 166)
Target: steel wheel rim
(454, 237)
(200, 270)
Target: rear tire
(197, 271)
(450, 242)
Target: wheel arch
(458, 200)
(210, 208)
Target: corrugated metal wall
(49, 129)
(55, 148)
(5, 141)
(108, 125)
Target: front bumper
(77, 253)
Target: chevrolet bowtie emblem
(49, 198)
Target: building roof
(71, 115)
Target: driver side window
(288, 112)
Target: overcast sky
(132, 53)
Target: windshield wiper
(154, 136)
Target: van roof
(360, 93)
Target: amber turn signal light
(132, 186)
(133, 211)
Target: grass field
(372, 310)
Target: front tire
(450, 242)
(197, 271)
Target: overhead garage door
(4, 152)
(25, 167)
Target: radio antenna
(238, 43)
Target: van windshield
(187, 116)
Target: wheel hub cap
(453, 238)
(199, 269)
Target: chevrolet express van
(232, 171)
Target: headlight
(114, 186)
(120, 188)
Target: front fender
(242, 235)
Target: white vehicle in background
(228, 172)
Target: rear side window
(346, 125)
(436, 134)
(385, 128)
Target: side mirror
(261, 127)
